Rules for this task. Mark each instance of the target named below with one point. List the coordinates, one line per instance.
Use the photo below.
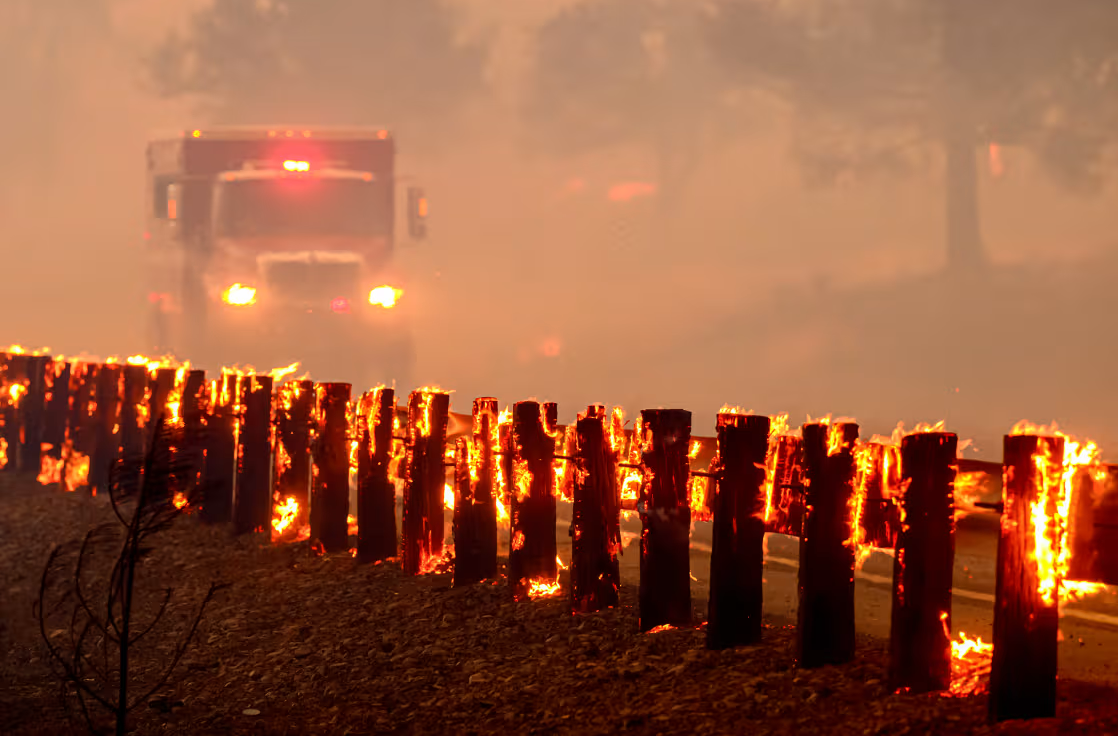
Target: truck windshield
(300, 206)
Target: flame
(865, 471)
(448, 497)
(661, 628)
(239, 295)
(3, 453)
(50, 471)
(1056, 487)
(968, 490)
(180, 501)
(970, 662)
(543, 588)
(71, 469)
(16, 392)
(502, 512)
(285, 514)
(437, 564)
(351, 524)
(518, 540)
(281, 374)
(559, 562)
(522, 479)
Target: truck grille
(311, 283)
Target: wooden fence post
(252, 509)
(13, 388)
(919, 640)
(737, 561)
(825, 634)
(162, 384)
(376, 492)
(665, 511)
(295, 422)
(134, 413)
(596, 517)
(330, 492)
(194, 433)
(106, 443)
(1026, 614)
(475, 507)
(220, 469)
(425, 478)
(788, 497)
(532, 550)
(83, 381)
(57, 407)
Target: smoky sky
(552, 269)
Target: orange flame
(543, 588)
(285, 515)
(180, 501)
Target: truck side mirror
(417, 214)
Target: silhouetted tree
(325, 62)
(613, 72)
(92, 619)
(894, 85)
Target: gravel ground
(300, 644)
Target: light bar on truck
(297, 165)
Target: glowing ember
(543, 588)
(970, 664)
(285, 514)
(180, 501)
(661, 628)
(438, 564)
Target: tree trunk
(965, 252)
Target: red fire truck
(268, 246)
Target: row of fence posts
(255, 444)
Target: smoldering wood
(330, 491)
(220, 468)
(252, 508)
(57, 407)
(1105, 539)
(595, 518)
(919, 640)
(737, 560)
(1026, 626)
(787, 515)
(193, 399)
(106, 444)
(533, 549)
(79, 422)
(9, 412)
(1081, 527)
(825, 630)
(376, 492)
(295, 422)
(32, 414)
(878, 511)
(424, 478)
(133, 410)
(475, 507)
(665, 512)
(162, 383)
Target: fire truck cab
(268, 246)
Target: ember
(543, 588)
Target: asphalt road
(1089, 649)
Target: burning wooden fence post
(425, 480)
(330, 491)
(376, 492)
(1026, 614)
(193, 418)
(665, 511)
(252, 509)
(825, 632)
(79, 428)
(475, 505)
(596, 517)
(786, 456)
(920, 642)
(9, 405)
(295, 422)
(531, 450)
(106, 440)
(162, 386)
(32, 412)
(737, 560)
(57, 407)
(221, 450)
(134, 413)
